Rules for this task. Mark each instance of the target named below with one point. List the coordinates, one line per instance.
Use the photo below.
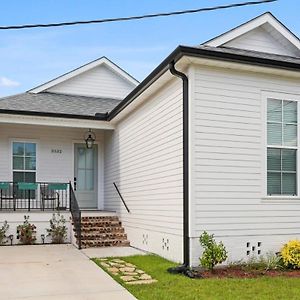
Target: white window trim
(265, 95)
(10, 159)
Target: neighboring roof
(103, 60)
(51, 104)
(262, 20)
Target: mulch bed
(241, 273)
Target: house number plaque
(58, 151)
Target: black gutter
(209, 53)
(185, 99)
(99, 117)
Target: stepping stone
(141, 282)
(131, 273)
(127, 269)
(105, 265)
(145, 277)
(130, 265)
(140, 271)
(113, 270)
(127, 278)
(119, 261)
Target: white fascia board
(57, 122)
(82, 69)
(252, 24)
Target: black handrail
(121, 198)
(76, 215)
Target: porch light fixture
(89, 138)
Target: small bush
(213, 253)
(290, 254)
(58, 229)
(3, 230)
(26, 232)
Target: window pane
(18, 177)
(18, 148)
(81, 180)
(274, 110)
(18, 163)
(289, 112)
(90, 158)
(30, 149)
(30, 163)
(89, 180)
(288, 160)
(29, 176)
(274, 187)
(288, 184)
(274, 160)
(290, 135)
(274, 134)
(81, 157)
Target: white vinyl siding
(229, 161)
(259, 39)
(98, 82)
(144, 157)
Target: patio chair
(6, 195)
(50, 193)
(30, 188)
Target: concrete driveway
(59, 272)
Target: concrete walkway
(112, 252)
(59, 272)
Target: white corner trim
(82, 69)
(250, 25)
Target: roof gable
(100, 78)
(264, 33)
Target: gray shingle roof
(58, 103)
(251, 53)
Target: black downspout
(186, 241)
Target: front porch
(41, 196)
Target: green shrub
(26, 232)
(290, 254)
(213, 253)
(58, 229)
(3, 230)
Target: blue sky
(31, 57)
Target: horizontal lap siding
(144, 157)
(227, 158)
(98, 82)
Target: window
(24, 162)
(282, 147)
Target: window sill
(279, 199)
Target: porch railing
(76, 215)
(34, 196)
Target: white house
(208, 141)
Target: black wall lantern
(89, 138)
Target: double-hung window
(24, 162)
(282, 145)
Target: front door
(85, 175)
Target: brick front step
(102, 231)
(105, 243)
(95, 236)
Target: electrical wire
(166, 14)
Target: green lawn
(174, 287)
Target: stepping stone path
(127, 272)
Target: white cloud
(6, 82)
